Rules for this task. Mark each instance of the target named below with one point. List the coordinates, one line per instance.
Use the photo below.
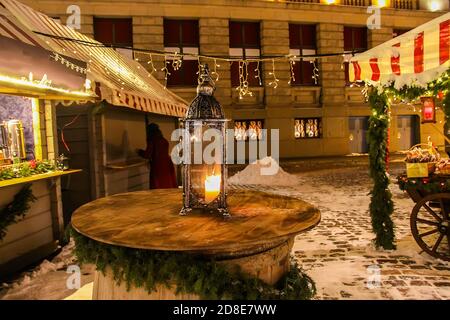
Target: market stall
(31, 79)
(101, 137)
(412, 69)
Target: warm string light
(243, 88)
(274, 82)
(199, 71)
(291, 68)
(43, 83)
(68, 64)
(177, 61)
(315, 75)
(214, 73)
(166, 72)
(152, 66)
(258, 74)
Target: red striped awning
(123, 81)
(414, 58)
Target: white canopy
(413, 59)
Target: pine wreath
(16, 209)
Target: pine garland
(16, 210)
(192, 274)
(432, 184)
(26, 169)
(381, 204)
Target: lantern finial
(206, 84)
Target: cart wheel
(430, 225)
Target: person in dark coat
(162, 171)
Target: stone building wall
(331, 100)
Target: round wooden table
(258, 237)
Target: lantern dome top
(204, 105)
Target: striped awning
(413, 59)
(119, 80)
(11, 30)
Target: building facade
(318, 113)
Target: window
(398, 32)
(308, 128)
(244, 42)
(182, 36)
(302, 41)
(115, 32)
(248, 129)
(355, 39)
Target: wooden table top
(150, 220)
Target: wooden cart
(430, 217)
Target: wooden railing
(404, 4)
(357, 3)
(304, 1)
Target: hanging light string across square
(176, 60)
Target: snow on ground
(338, 253)
(256, 173)
(47, 280)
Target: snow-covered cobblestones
(338, 253)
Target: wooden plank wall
(123, 130)
(35, 230)
(126, 180)
(73, 122)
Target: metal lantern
(204, 181)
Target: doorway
(408, 131)
(358, 127)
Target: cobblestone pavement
(338, 254)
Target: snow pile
(59, 262)
(259, 171)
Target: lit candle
(212, 188)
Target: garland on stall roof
(381, 205)
(191, 274)
(16, 210)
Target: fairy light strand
(275, 80)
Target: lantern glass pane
(206, 170)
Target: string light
(199, 70)
(291, 67)
(177, 61)
(214, 73)
(258, 74)
(152, 66)
(315, 75)
(166, 72)
(68, 63)
(243, 88)
(274, 82)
